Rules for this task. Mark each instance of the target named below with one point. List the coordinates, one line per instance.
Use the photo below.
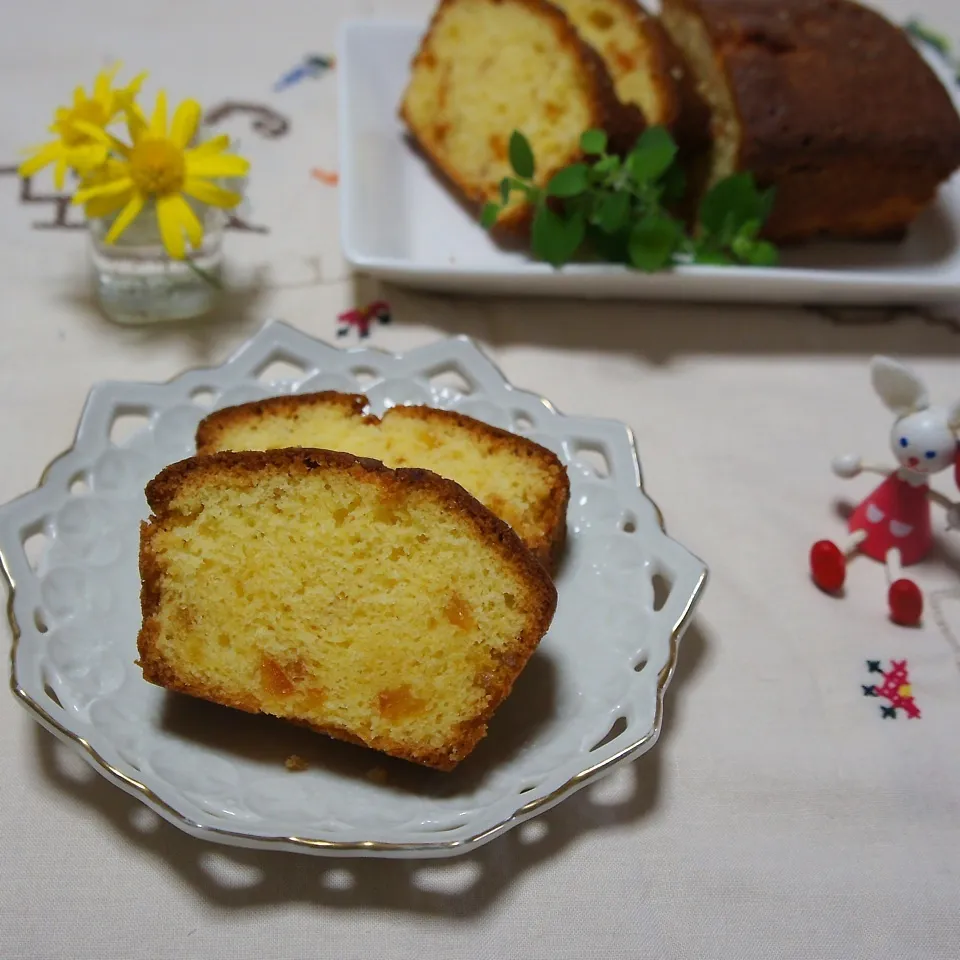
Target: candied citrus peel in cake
(383, 607)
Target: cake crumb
(296, 763)
(377, 775)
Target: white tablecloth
(780, 815)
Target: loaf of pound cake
(383, 607)
(522, 482)
(825, 100)
(485, 68)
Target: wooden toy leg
(853, 541)
(828, 562)
(903, 596)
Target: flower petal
(45, 155)
(191, 223)
(126, 95)
(158, 122)
(60, 172)
(209, 193)
(126, 217)
(91, 130)
(79, 97)
(103, 206)
(137, 125)
(86, 158)
(113, 188)
(217, 165)
(216, 144)
(171, 228)
(185, 122)
(101, 86)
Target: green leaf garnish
(489, 215)
(653, 242)
(611, 212)
(733, 202)
(554, 238)
(622, 211)
(920, 31)
(569, 182)
(521, 156)
(593, 142)
(652, 155)
(604, 167)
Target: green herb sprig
(618, 209)
(921, 33)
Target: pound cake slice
(826, 101)
(647, 70)
(384, 607)
(488, 67)
(523, 483)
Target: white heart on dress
(899, 529)
(874, 513)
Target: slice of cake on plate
(522, 482)
(383, 607)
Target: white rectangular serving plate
(401, 223)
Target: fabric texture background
(780, 815)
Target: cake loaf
(522, 482)
(825, 100)
(386, 608)
(488, 67)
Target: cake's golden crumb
(523, 483)
(296, 764)
(488, 67)
(384, 607)
(826, 101)
(648, 71)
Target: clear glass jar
(137, 282)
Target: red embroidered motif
(362, 318)
(895, 689)
(329, 178)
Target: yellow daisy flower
(159, 167)
(82, 142)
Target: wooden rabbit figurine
(893, 524)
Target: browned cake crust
(249, 468)
(622, 123)
(689, 118)
(546, 546)
(683, 110)
(837, 110)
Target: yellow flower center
(156, 166)
(92, 112)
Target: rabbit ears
(898, 387)
(903, 391)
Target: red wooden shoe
(828, 566)
(906, 602)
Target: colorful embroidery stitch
(895, 689)
(312, 66)
(329, 178)
(362, 318)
